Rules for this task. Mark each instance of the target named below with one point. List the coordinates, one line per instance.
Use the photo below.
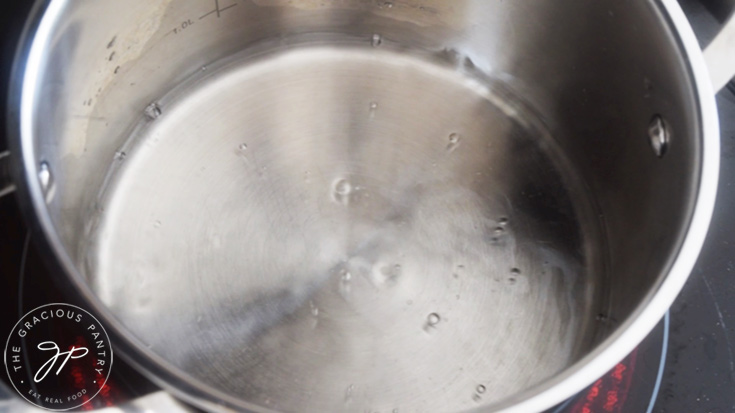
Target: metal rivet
(44, 176)
(658, 135)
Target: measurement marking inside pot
(183, 26)
(217, 10)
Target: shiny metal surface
(359, 253)
(413, 205)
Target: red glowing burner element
(609, 393)
(108, 393)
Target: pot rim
(543, 396)
(656, 304)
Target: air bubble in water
(152, 111)
(658, 135)
(342, 187)
(342, 191)
(481, 389)
(376, 40)
(433, 319)
(345, 282)
(44, 176)
(454, 141)
(243, 146)
(315, 313)
(373, 109)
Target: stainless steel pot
(359, 205)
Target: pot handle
(720, 56)
(6, 181)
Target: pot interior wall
(213, 165)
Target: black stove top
(687, 364)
